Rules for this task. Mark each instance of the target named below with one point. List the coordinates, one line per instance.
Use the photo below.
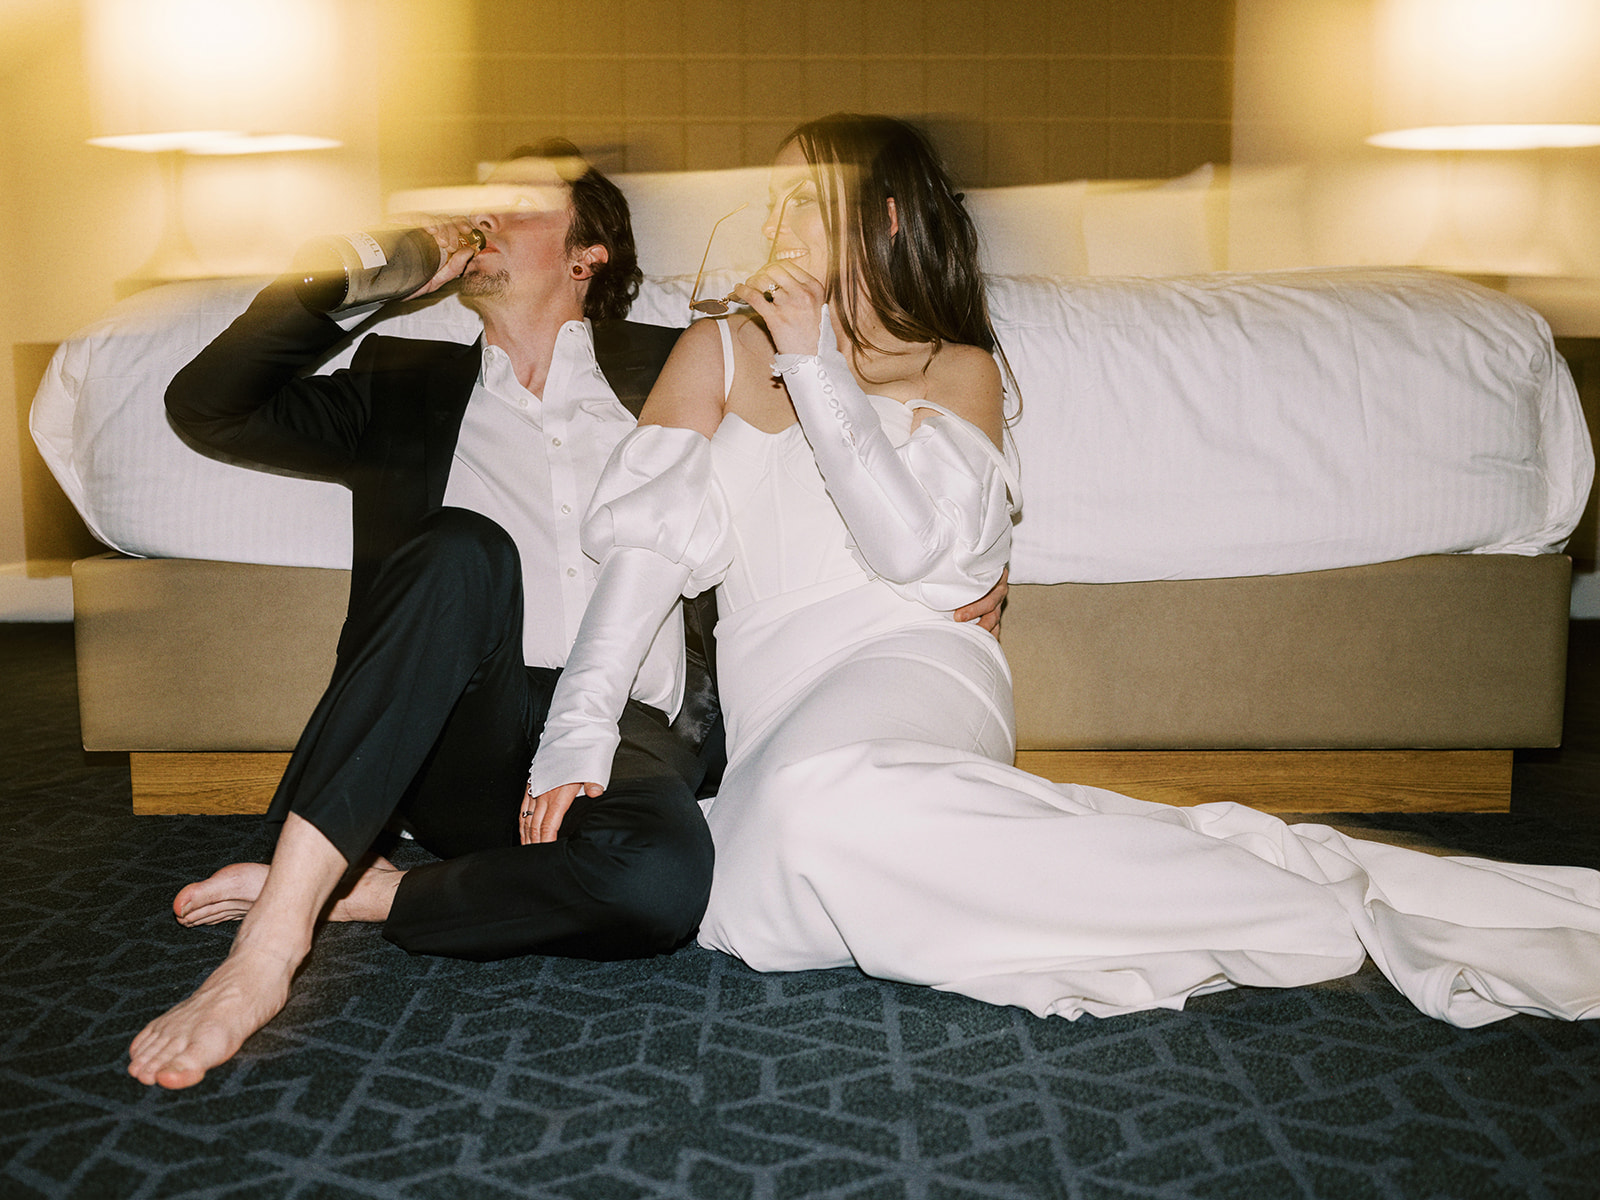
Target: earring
(579, 272)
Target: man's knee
(460, 549)
(660, 883)
(467, 540)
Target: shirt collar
(574, 345)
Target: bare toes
(226, 895)
(240, 996)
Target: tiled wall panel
(1017, 91)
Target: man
(470, 469)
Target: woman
(846, 502)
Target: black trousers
(431, 715)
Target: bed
(1291, 539)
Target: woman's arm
(656, 527)
(689, 392)
(933, 517)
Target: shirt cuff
(577, 756)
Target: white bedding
(1223, 425)
(1171, 428)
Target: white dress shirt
(530, 464)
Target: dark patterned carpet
(691, 1076)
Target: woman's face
(801, 239)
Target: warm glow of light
(1489, 137)
(539, 184)
(207, 75)
(1487, 74)
(215, 142)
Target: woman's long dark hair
(923, 281)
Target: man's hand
(985, 610)
(454, 235)
(540, 817)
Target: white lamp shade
(215, 76)
(1487, 74)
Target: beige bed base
(1400, 686)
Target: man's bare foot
(225, 896)
(370, 896)
(232, 891)
(252, 984)
(243, 994)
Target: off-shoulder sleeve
(657, 493)
(658, 528)
(932, 517)
(975, 489)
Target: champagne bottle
(347, 270)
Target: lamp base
(174, 257)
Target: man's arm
(243, 394)
(985, 610)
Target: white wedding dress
(869, 814)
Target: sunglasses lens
(710, 308)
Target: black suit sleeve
(244, 395)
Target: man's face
(525, 252)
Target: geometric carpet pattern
(690, 1075)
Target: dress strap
(727, 360)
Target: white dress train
(870, 815)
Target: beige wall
(82, 220)
(48, 203)
(1308, 190)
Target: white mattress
(1171, 428)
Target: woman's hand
(789, 301)
(540, 817)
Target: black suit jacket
(386, 427)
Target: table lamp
(185, 78)
(1471, 77)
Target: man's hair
(599, 218)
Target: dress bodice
(787, 532)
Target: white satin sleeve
(932, 518)
(658, 527)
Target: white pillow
(673, 213)
(1030, 230)
(1070, 228)
(1150, 229)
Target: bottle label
(367, 250)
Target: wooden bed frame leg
(1294, 781)
(202, 782)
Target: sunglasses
(711, 306)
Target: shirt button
(566, 510)
(555, 441)
(571, 571)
